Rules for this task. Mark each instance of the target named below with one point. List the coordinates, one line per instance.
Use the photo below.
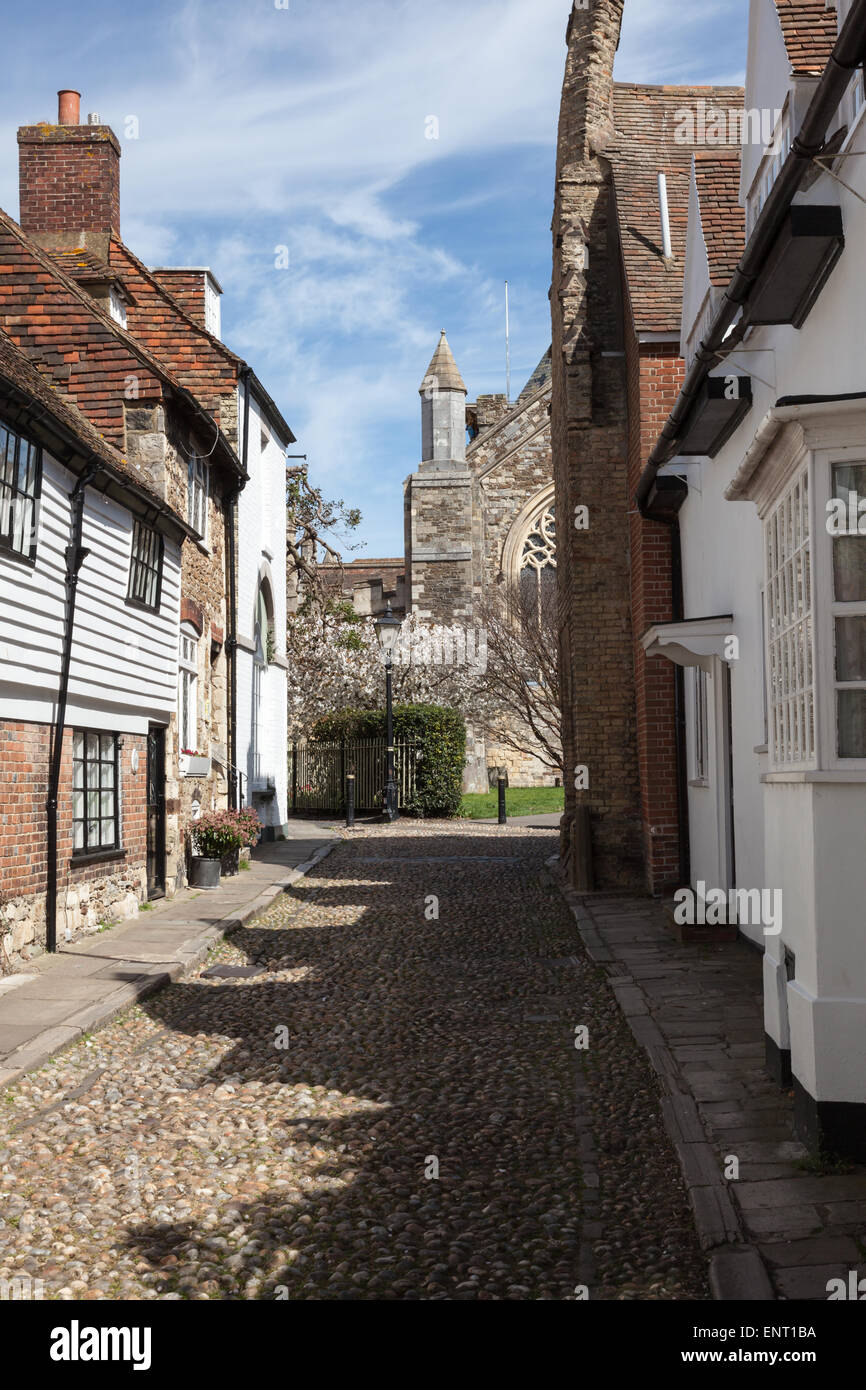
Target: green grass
(519, 801)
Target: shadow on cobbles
(416, 1080)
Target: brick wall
(655, 372)
(87, 894)
(589, 431)
(69, 178)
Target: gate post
(350, 800)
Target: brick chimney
(69, 176)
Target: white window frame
(830, 608)
(198, 492)
(187, 688)
(788, 740)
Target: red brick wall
(188, 288)
(655, 372)
(69, 179)
(24, 765)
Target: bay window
(790, 656)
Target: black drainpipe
(76, 554)
(232, 637)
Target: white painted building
(774, 634)
(262, 694)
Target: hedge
(440, 736)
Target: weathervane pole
(507, 351)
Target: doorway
(156, 811)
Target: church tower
(438, 501)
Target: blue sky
(261, 127)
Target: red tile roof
(73, 343)
(652, 136)
(158, 320)
(723, 220)
(809, 29)
(17, 369)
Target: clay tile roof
(17, 369)
(809, 29)
(649, 140)
(81, 264)
(444, 369)
(723, 220)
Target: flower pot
(192, 766)
(204, 873)
(229, 862)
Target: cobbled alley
(385, 1096)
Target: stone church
(479, 516)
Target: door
(156, 812)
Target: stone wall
(590, 448)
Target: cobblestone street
(277, 1134)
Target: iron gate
(318, 771)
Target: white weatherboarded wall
(124, 660)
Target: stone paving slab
(87, 982)
(779, 1231)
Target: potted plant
(192, 763)
(215, 840)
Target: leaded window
(145, 570)
(538, 561)
(20, 485)
(789, 627)
(197, 495)
(95, 818)
(187, 695)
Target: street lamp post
(387, 632)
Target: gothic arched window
(537, 575)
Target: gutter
(76, 554)
(847, 55)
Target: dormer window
(117, 307)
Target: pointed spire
(443, 369)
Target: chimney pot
(68, 107)
(93, 118)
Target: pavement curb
(193, 953)
(736, 1269)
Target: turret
(443, 413)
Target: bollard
(502, 815)
(350, 800)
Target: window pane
(849, 552)
(851, 649)
(108, 774)
(93, 803)
(851, 709)
(107, 747)
(78, 835)
(78, 773)
(92, 833)
(108, 833)
(92, 746)
(106, 803)
(78, 805)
